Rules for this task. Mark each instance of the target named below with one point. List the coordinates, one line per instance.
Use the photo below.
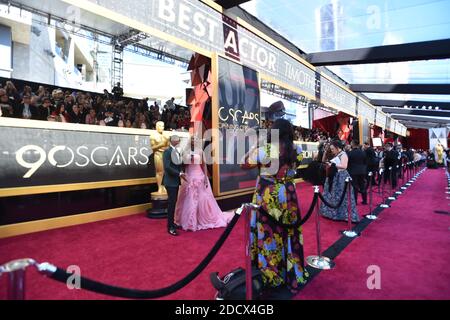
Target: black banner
(238, 111)
(310, 151)
(36, 156)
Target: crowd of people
(363, 159)
(303, 134)
(106, 109)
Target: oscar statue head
(160, 126)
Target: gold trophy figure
(439, 153)
(159, 143)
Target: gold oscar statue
(159, 143)
(439, 153)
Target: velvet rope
(340, 201)
(99, 287)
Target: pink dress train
(196, 208)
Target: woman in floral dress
(277, 240)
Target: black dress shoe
(173, 232)
(177, 227)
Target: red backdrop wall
(418, 139)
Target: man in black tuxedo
(391, 159)
(357, 168)
(372, 161)
(173, 173)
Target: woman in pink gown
(196, 208)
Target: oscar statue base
(159, 206)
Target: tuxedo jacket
(357, 162)
(172, 170)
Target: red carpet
(137, 252)
(410, 243)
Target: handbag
(232, 285)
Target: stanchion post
(404, 172)
(349, 205)
(248, 258)
(400, 170)
(391, 169)
(319, 261)
(16, 271)
(370, 216)
(349, 233)
(383, 193)
(16, 285)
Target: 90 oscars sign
(40, 156)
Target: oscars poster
(238, 112)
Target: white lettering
(51, 156)
(32, 166)
(82, 155)
(184, 17)
(220, 115)
(141, 152)
(262, 57)
(92, 157)
(212, 28)
(272, 61)
(230, 42)
(118, 154)
(132, 155)
(242, 51)
(253, 51)
(166, 10)
(199, 29)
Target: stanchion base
(403, 188)
(408, 184)
(371, 217)
(398, 192)
(350, 233)
(391, 198)
(320, 262)
(384, 205)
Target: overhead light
(430, 107)
(436, 108)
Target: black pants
(172, 193)
(359, 185)
(387, 177)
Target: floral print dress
(277, 244)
